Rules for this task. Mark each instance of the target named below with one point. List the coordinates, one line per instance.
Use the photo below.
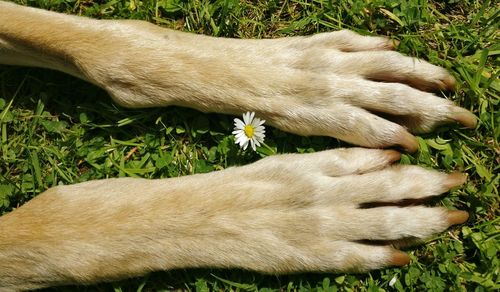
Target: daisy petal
(239, 123)
(255, 122)
(252, 143)
(259, 134)
(238, 132)
(246, 117)
(242, 139)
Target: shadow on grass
(222, 280)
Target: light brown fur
(317, 85)
(283, 214)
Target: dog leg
(328, 84)
(282, 214)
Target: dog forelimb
(283, 214)
(326, 84)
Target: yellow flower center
(249, 130)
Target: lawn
(56, 129)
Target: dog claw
(464, 117)
(456, 217)
(449, 83)
(399, 258)
(455, 179)
(408, 142)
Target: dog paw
(352, 87)
(336, 210)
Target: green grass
(59, 130)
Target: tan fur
(283, 214)
(315, 85)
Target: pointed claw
(399, 258)
(455, 179)
(456, 217)
(464, 117)
(449, 83)
(408, 142)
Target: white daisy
(249, 131)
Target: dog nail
(449, 83)
(464, 117)
(455, 179)
(409, 142)
(457, 217)
(399, 258)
